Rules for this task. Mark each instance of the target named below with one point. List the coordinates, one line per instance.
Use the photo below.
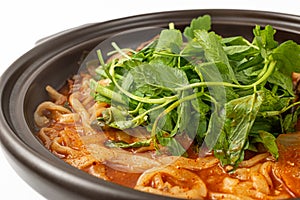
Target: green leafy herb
(226, 95)
(200, 23)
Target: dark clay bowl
(55, 59)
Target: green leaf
(157, 76)
(163, 60)
(231, 94)
(173, 145)
(213, 50)
(117, 118)
(269, 142)
(214, 72)
(272, 102)
(235, 40)
(290, 120)
(202, 128)
(192, 50)
(220, 148)
(240, 114)
(184, 118)
(166, 123)
(283, 81)
(176, 148)
(200, 23)
(264, 39)
(239, 52)
(215, 127)
(288, 123)
(201, 111)
(250, 62)
(287, 56)
(269, 124)
(170, 40)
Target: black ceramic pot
(56, 58)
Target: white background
(25, 22)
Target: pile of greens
(227, 94)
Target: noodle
(39, 116)
(253, 161)
(171, 181)
(56, 96)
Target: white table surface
(25, 22)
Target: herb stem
(120, 50)
(161, 115)
(104, 91)
(166, 54)
(150, 110)
(250, 44)
(226, 84)
(171, 26)
(136, 109)
(100, 57)
(274, 113)
(170, 108)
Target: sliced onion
(288, 140)
(122, 160)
